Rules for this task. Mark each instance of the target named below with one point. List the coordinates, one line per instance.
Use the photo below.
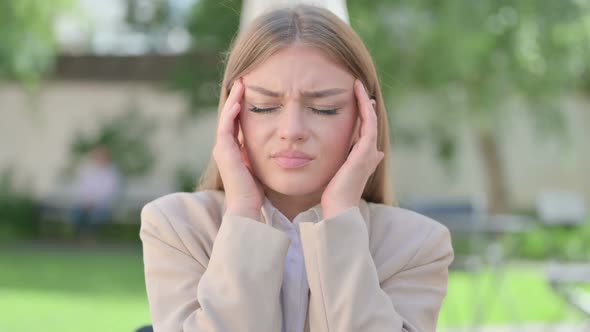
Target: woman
(293, 226)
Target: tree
(473, 56)
(212, 25)
(28, 47)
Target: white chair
(561, 208)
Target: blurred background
(105, 105)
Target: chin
(295, 187)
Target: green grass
(519, 296)
(71, 290)
(68, 289)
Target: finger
(227, 119)
(367, 143)
(236, 91)
(367, 113)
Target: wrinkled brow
(304, 94)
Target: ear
(374, 103)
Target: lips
(292, 159)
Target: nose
(292, 124)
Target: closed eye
(262, 110)
(315, 110)
(325, 111)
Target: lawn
(67, 289)
(64, 289)
(520, 296)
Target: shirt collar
(269, 212)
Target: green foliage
(544, 242)
(212, 25)
(28, 47)
(18, 208)
(489, 47)
(121, 233)
(472, 56)
(186, 178)
(127, 137)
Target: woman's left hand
(346, 187)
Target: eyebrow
(305, 94)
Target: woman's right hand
(244, 195)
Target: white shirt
(295, 289)
(97, 184)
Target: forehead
(297, 68)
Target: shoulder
(405, 238)
(191, 220)
(404, 222)
(183, 205)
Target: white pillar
(253, 8)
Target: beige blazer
(371, 268)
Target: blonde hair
(311, 26)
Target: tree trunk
(253, 8)
(497, 189)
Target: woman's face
(298, 99)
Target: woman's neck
(290, 206)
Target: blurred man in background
(97, 184)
